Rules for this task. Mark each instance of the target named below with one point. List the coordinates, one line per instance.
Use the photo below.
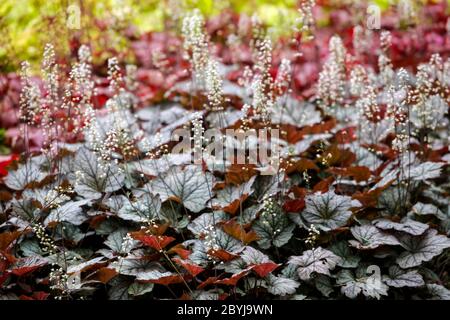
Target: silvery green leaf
(91, 178)
(328, 211)
(227, 242)
(30, 248)
(267, 185)
(290, 271)
(409, 226)
(422, 118)
(252, 256)
(139, 289)
(392, 200)
(24, 208)
(438, 292)
(426, 170)
(71, 212)
(342, 250)
(421, 248)
(317, 260)
(153, 275)
(78, 267)
(294, 112)
(191, 186)
(248, 215)
(119, 242)
(8, 296)
(154, 167)
(234, 266)
(70, 232)
(229, 194)
(119, 288)
(428, 209)
(116, 202)
(134, 266)
(281, 286)
(144, 209)
(370, 237)
(323, 284)
(25, 174)
(399, 278)
(204, 222)
(352, 286)
(273, 229)
(205, 295)
(199, 253)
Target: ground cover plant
(226, 163)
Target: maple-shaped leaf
(281, 286)
(410, 226)
(352, 285)
(155, 242)
(273, 229)
(328, 211)
(370, 237)
(342, 250)
(235, 230)
(119, 243)
(91, 178)
(71, 211)
(190, 186)
(203, 223)
(317, 260)
(421, 248)
(231, 197)
(190, 267)
(259, 262)
(24, 175)
(146, 208)
(27, 265)
(399, 278)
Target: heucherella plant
(209, 170)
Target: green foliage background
(26, 25)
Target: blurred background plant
(26, 26)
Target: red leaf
(156, 242)
(192, 268)
(27, 265)
(222, 255)
(232, 281)
(235, 230)
(5, 161)
(181, 251)
(295, 205)
(165, 281)
(210, 280)
(264, 269)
